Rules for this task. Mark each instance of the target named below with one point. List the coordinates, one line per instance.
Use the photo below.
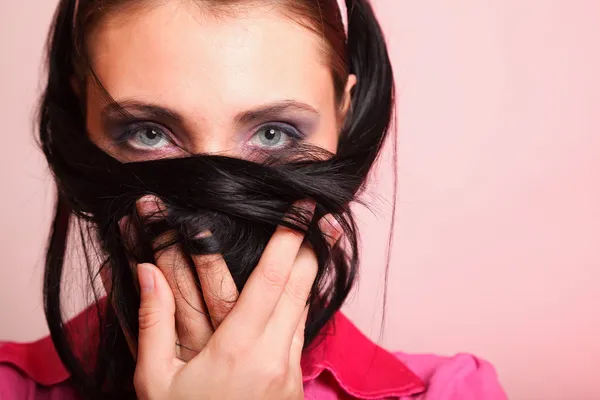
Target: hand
(256, 348)
(196, 317)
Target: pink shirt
(344, 365)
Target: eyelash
(290, 130)
(130, 130)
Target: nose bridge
(215, 137)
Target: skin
(235, 85)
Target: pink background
(496, 249)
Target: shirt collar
(360, 367)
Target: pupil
(270, 134)
(151, 134)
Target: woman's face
(200, 83)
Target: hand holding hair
(257, 343)
(240, 201)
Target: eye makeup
(275, 135)
(146, 131)
(149, 134)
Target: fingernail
(333, 223)
(331, 228)
(123, 225)
(146, 278)
(203, 235)
(148, 205)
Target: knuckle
(298, 290)
(276, 372)
(149, 317)
(227, 352)
(273, 276)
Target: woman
(207, 152)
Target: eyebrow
(152, 111)
(274, 110)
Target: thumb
(157, 335)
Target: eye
(275, 135)
(146, 136)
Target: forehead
(186, 55)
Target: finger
(151, 208)
(191, 317)
(283, 324)
(194, 328)
(267, 282)
(331, 229)
(156, 341)
(218, 288)
(297, 346)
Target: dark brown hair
(239, 201)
